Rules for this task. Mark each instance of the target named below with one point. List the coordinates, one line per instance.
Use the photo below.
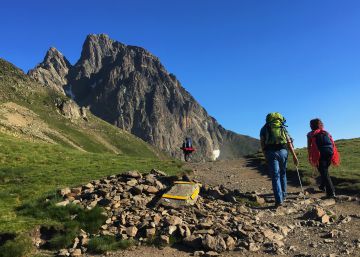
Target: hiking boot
(331, 196)
(277, 205)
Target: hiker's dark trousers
(324, 163)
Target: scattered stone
(171, 229)
(313, 245)
(131, 231)
(63, 203)
(230, 243)
(333, 233)
(252, 247)
(199, 253)
(325, 219)
(76, 190)
(327, 202)
(173, 220)
(211, 254)
(260, 200)
(158, 172)
(64, 191)
(76, 253)
(132, 174)
(164, 240)
(151, 189)
(214, 243)
(63, 253)
(345, 219)
(88, 186)
(292, 248)
(132, 182)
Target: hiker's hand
(296, 161)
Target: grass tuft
(20, 247)
(102, 244)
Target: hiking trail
(339, 237)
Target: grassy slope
(346, 177)
(18, 88)
(32, 169)
(29, 171)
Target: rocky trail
(233, 216)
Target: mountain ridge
(129, 87)
(37, 113)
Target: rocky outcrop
(53, 71)
(70, 110)
(129, 87)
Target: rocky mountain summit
(130, 88)
(52, 71)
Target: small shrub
(64, 238)
(102, 244)
(248, 202)
(19, 247)
(91, 220)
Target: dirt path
(340, 238)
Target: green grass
(247, 201)
(19, 247)
(103, 244)
(346, 177)
(30, 171)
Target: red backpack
(314, 151)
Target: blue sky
(239, 58)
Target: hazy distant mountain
(129, 87)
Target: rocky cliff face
(128, 86)
(53, 71)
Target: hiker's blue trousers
(277, 160)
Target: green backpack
(275, 129)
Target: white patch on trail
(215, 154)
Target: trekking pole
(302, 189)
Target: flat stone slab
(180, 194)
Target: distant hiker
(187, 148)
(275, 143)
(322, 152)
(188, 142)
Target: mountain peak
(98, 37)
(52, 71)
(54, 56)
(95, 48)
(129, 87)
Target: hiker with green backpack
(275, 143)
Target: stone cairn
(217, 222)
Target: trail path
(301, 241)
